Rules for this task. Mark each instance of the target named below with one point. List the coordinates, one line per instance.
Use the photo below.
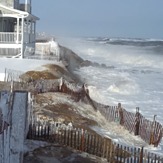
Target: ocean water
(133, 74)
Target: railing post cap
(154, 117)
(137, 109)
(119, 105)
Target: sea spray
(136, 77)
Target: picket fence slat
(84, 141)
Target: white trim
(14, 10)
(17, 13)
(18, 30)
(35, 29)
(10, 46)
(13, 15)
(22, 41)
(26, 2)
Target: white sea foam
(116, 54)
(135, 81)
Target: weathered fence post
(72, 139)
(94, 144)
(111, 152)
(107, 150)
(64, 137)
(48, 132)
(78, 140)
(117, 117)
(104, 148)
(117, 152)
(137, 121)
(34, 131)
(99, 146)
(121, 114)
(152, 130)
(82, 140)
(141, 155)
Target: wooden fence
(150, 131)
(94, 144)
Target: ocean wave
(124, 87)
(128, 41)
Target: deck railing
(10, 37)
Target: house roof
(10, 12)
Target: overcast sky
(112, 18)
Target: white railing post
(22, 39)
(9, 37)
(17, 39)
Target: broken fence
(150, 131)
(94, 144)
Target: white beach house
(17, 28)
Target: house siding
(10, 3)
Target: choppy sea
(131, 74)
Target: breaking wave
(124, 88)
(128, 41)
